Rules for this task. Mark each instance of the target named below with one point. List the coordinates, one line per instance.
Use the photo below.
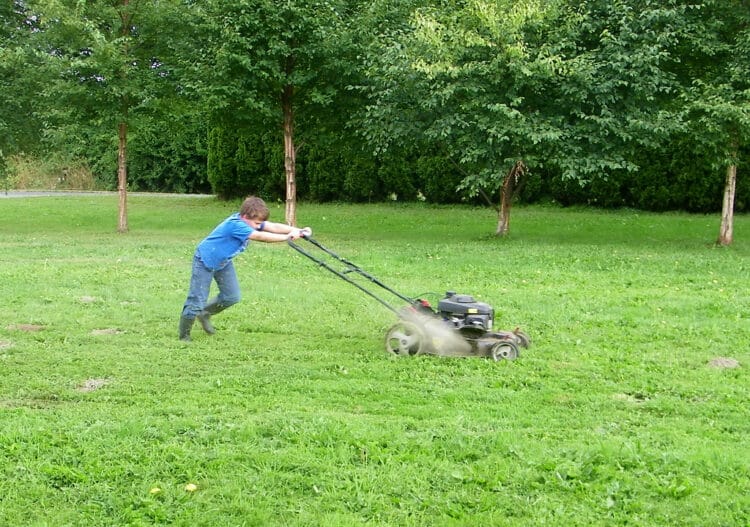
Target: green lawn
(293, 414)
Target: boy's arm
(268, 237)
(278, 232)
(283, 228)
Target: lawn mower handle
(350, 268)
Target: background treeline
(674, 179)
(614, 103)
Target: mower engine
(463, 311)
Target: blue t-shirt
(225, 242)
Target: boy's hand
(299, 233)
(294, 234)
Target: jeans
(200, 284)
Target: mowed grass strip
(629, 409)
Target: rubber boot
(204, 317)
(186, 324)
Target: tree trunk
(727, 208)
(122, 178)
(122, 148)
(509, 190)
(290, 161)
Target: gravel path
(46, 193)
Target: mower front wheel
(504, 351)
(405, 338)
(523, 339)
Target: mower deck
(411, 336)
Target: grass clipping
(439, 338)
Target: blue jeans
(200, 284)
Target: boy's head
(254, 208)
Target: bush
(241, 163)
(438, 179)
(330, 168)
(324, 174)
(361, 183)
(53, 173)
(222, 146)
(168, 163)
(397, 175)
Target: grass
(293, 415)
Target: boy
(213, 261)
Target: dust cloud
(440, 338)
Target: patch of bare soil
(724, 362)
(88, 299)
(89, 385)
(5, 344)
(635, 398)
(25, 327)
(106, 331)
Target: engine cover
(462, 311)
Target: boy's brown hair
(254, 208)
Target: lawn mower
(459, 326)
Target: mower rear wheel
(405, 338)
(504, 351)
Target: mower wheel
(523, 338)
(405, 338)
(504, 351)
(517, 337)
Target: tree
(714, 69)
(461, 78)
(560, 86)
(270, 63)
(19, 80)
(103, 69)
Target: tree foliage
(588, 94)
(273, 65)
(19, 81)
(567, 87)
(102, 63)
(640, 103)
(103, 71)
